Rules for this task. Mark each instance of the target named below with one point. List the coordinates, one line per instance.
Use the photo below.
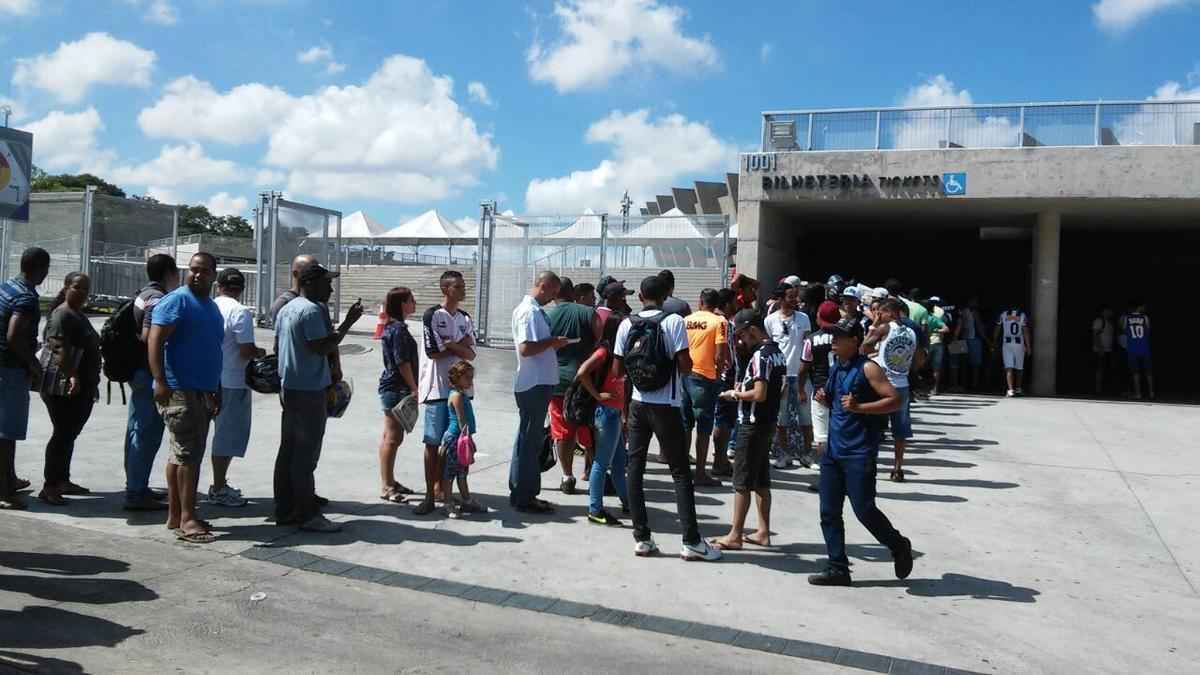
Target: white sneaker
(782, 461)
(1011, 393)
(701, 551)
(645, 548)
(226, 497)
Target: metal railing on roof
(984, 126)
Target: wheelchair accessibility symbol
(954, 184)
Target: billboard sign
(16, 167)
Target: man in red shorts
(579, 324)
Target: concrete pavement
(1046, 530)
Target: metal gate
(284, 229)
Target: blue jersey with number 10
(1137, 334)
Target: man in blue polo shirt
(184, 351)
(859, 395)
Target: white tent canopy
(428, 228)
(359, 225)
(673, 224)
(586, 226)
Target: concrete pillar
(1047, 237)
(766, 245)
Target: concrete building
(1054, 208)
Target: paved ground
(1054, 536)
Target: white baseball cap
(934, 299)
(852, 292)
(792, 280)
(880, 293)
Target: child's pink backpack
(465, 449)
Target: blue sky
(398, 107)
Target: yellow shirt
(706, 334)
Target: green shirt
(933, 324)
(918, 314)
(573, 320)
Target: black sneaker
(832, 576)
(903, 560)
(567, 486)
(603, 518)
(321, 501)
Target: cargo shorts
(186, 416)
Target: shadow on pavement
(966, 482)
(90, 591)
(921, 497)
(926, 461)
(54, 628)
(58, 563)
(27, 663)
(955, 585)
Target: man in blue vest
(859, 397)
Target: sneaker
(804, 459)
(603, 518)
(1011, 393)
(782, 461)
(700, 551)
(1020, 392)
(225, 497)
(729, 452)
(645, 548)
(903, 561)
(320, 523)
(830, 577)
(145, 503)
(455, 513)
(567, 486)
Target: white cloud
(224, 204)
(647, 155)
(192, 109)
(1118, 15)
(478, 92)
(67, 141)
(399, 136)
(936, 91)
(180, 165)
(467, 224)
(164, 195)
(16, 7)
(269, 178)
(162, 12)
(764, 52)
(603, 38)
(97, 58)
(1172, 90)
(321, 54)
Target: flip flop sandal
(720, 546)
(392, 495)
(747, 540)
(898, 476)
(195, 537)
(22, 484)
(399, 487)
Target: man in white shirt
(449, 337)
(537, 373)
(232, 428)
(897, 342)
(788, 328)
(656, 412)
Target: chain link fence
(515, 249)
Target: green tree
(66, 182)
(198, 219)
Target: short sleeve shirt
(675, 337)
(896, 353)
(769, 365)
(934, 323)
(440, 327)
(818, 352)
(706, 335)
(673, 305)
(192, 357)
(239, 330)
(18, 296)
(399, 351)
(789, 332)
(530, 324)
(143, 304)
(280, 302)
(573, 320)
(299, 322)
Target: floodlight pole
(483, 263)
(626, 202)
(7, 112)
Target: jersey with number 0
(1137, 334)
(1012, 326)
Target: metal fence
(984, 126)
(515, 249)
(283, 230)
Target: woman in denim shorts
(399, 379)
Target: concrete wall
(1137, 172)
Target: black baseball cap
(848, 327)
(314, 271)
(747, 318)
(231, 278)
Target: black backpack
(578, 405)
(121, 347)
(647, 362)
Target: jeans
(853, 477)
(302, 432)
(68, 414)
(610, 452)
(525, 471)
(665, 423)
(702, 396)
(143, 435)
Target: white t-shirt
(789, 333)
(896, 353)
(239, 330)
(674, 332)
(438, 329)
(529, 324)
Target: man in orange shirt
(707, 347)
